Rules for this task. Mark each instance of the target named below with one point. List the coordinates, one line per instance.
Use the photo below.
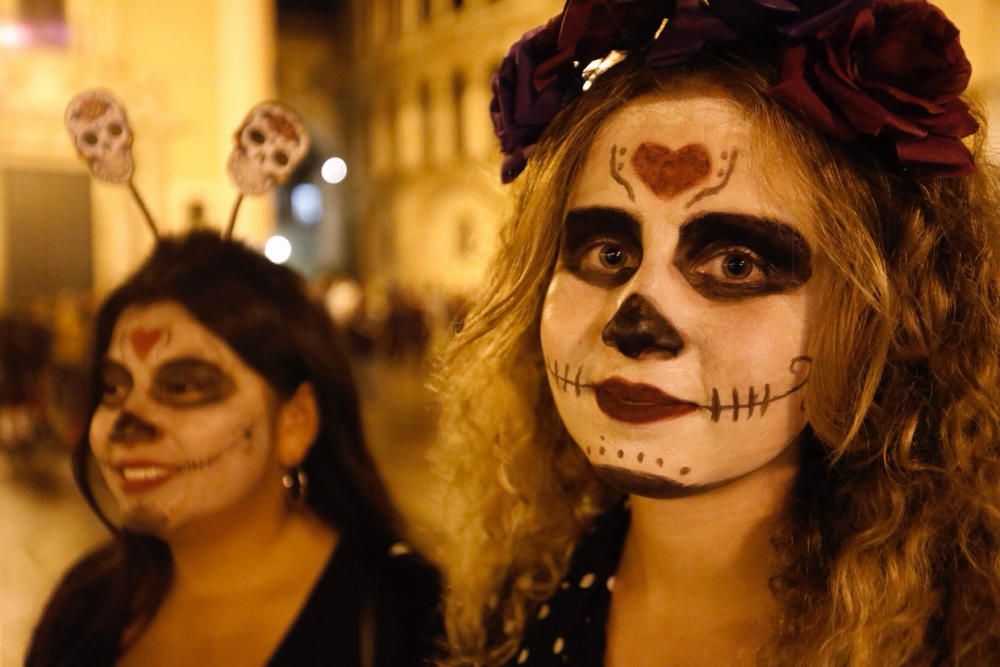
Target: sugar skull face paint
(676, 326)
(184, 428)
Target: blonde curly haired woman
(731, 394)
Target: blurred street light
(334, 170)
(307, 203)
(278, 249)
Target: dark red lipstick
(638, 403)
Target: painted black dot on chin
(621, 165)
(720, 173)
(620, 453)
(725, 155)
(602, 437)
(621, 151)
(601, 450)
(659, 462)
(641, 457)
(247, 433)
(685, 470)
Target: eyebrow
(582, 223)
(781, 242)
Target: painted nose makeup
(131, 429)
(638, 328)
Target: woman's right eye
(608, 257)
(116, 383)
(113, 394)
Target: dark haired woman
(251, 525)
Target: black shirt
(369, 609)
(569, 628)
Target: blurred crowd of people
(41, 381)
(396, 324)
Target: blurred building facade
(428, 204)
(187, 71)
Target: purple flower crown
(890, 69)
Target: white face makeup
(185, 428)
(675, 328)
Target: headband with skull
(269, 144)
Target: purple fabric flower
(540, 73)
(520, 110)
(794, 18)
(590, 29)
(698, 24)
(894, 71)
(690, 31)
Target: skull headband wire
(269, 144)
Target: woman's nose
(638, 329)
(129, 429)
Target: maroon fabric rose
(794, 18)
(894, 71)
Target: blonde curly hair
(892, 552)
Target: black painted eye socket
(190, 382)
(280, 158)
(737, 256)
(89, 138)
(115, 129)
(257, 136)
(601, 246)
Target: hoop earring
(296, 484)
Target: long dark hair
(265, 314)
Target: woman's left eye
(734, 265)
(191, 382)
(180, 387)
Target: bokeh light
(13, 36)
(334, 170)
(307, 203)
(278, 249)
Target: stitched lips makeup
(638, 403)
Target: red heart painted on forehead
(668, 173)
(143, 340)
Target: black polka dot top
(568, 629)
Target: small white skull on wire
(101, 134)
(270, 144)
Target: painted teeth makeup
(675, 329)
(184, 426)
(147, 472)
